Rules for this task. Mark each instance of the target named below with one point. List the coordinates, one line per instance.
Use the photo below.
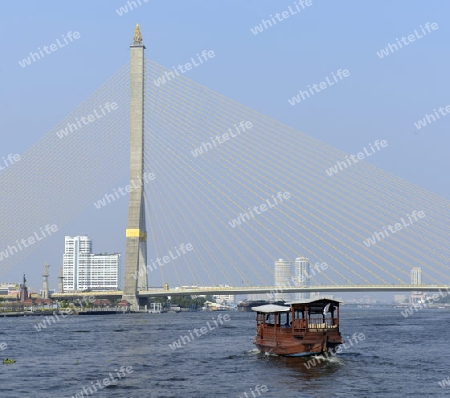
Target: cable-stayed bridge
(269, 290)
(219, 169)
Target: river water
(398, 358)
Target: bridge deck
(257, 290)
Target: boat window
(299, 314)
(287, 323)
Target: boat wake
(255, 351)
(335, 359)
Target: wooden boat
(304, 328)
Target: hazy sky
(382, 97)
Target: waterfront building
(224, 298)
(302, 277)
(50, 292)
(400, 298)
(256, 297)
(416, 279)
(9, 290)
(416, 276)
(83, 270)
(283, 279)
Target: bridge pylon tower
(136, 233)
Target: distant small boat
(304, 328)
(155, 308)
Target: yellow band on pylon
(137, 233)
(133, 233)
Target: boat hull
(292, 347)
(290, 351)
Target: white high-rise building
(416, 279)
(416, 276)
(84, 270)
(302, 277)
(283, 275)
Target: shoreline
(59, 312)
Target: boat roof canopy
(314, 305)
(271, 308)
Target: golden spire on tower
(137, 35)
